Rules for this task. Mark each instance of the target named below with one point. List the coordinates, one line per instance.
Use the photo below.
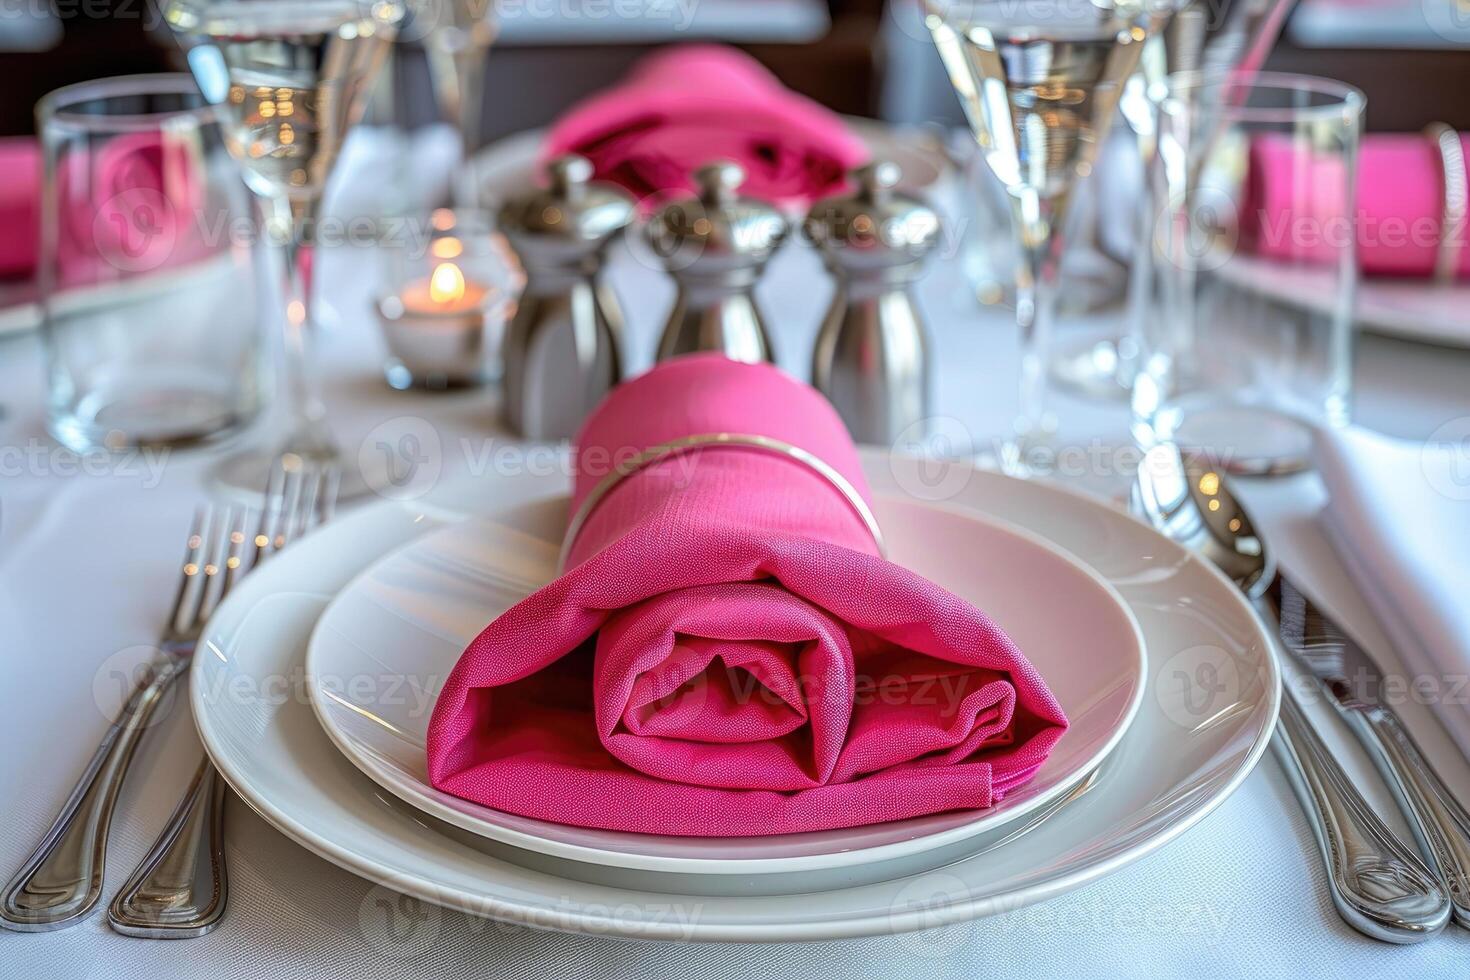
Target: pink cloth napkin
(1293, 203)
(683, 107)
(127, 207)
(728, 655)
(20, 206)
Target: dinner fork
(60, 883)
(180, 888)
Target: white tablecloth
(86, 561)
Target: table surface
(87, 555)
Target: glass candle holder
(451, 289)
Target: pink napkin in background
(20, 206)
(128, 207)
(728, 655)
(685, 106)
(1400, 203)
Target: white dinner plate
(400, 627)
(1207, 714)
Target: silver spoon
(1380, 887)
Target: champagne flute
(1039, 83)
(290, 78)
(1225, 39)
(457, 34)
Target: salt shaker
(871, 358)
(716, 245)
(562, 347)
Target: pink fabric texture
(1293, 204)
(685, 106)
(129, 206)
(20, 205)
(727, 654)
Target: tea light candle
(445, 293)
(435, 330)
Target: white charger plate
(381, 651)
(1207, 715)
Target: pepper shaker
(871, 358)
(716, 245)
(562, 347)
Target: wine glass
(290, 79)
(1221, 39)
(1039, 83)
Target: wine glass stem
(305, 412)
(1034, 220)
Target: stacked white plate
(314, 684)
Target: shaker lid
(875, 225)
(570, 207)
(717, 223)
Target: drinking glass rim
(1341, 99)
(53, 109)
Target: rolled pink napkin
(682, 107)
(1292, 204)
(728, 655)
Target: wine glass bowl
(1039, 82)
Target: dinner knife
(1353, 684)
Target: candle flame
(446, 284)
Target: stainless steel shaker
(716, 245)
(562, 347)
(871, 357)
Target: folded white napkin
(1399, 519)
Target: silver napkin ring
(686, 444)
(1456, 199)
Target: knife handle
(1439, 823)
(1379, 887)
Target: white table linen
(88, 550)
(1399, 518)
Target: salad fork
(60, 883)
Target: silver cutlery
(1352, 682)
(180, 888)
(61, 881)
(1380, 887)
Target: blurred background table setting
(725, 489)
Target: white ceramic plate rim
(424, 885)
(492, 825)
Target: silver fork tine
(221, 565)
(216, 545)
(193, 553)
(305, 518)
(329, 495)
(290, 500)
